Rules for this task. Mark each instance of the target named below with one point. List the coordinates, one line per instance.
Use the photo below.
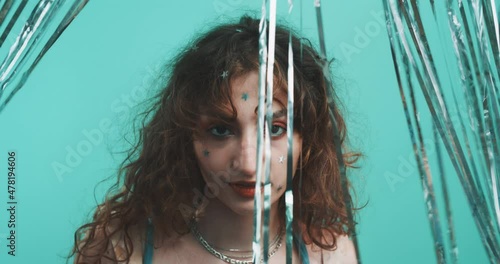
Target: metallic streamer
(26, 40)
(426, 83)
(12, 70)
(467, 82)
(490, 70)
(491, 40)
(471, 84)
(336, 135)
(5, 10)
(473, 88)
(493, 16)
(12, 21)
(444, 187)
(289, 134)
(467, 79)
(416, 138)
(260, 136)
(484, 108)
(269, 123)
(474, 51)
(491, 81)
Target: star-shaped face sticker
(224, 74)
(206, 152)
(244, 96)
(281, 159)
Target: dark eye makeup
(221, 131)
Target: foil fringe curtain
(266, 60)
(472, 139)
(31, 30)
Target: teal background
(108, 60)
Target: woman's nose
(245, 162)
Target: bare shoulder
(345, 252)
(136, 234)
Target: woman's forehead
(242, 93)
(246, 86)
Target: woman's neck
(223, 228)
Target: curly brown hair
(161, 171)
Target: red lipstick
(245, 189)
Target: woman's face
(226, 153)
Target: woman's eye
(277, 131)
(220, 131)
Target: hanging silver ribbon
(37, 34)
(474, 153)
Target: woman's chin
(244, 209)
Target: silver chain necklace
(248, 252)
(226, 258)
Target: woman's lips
(244, 189)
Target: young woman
(189, 183)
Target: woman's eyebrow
(226, 117)
(278, 114)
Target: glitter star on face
(224, 74)
(281, 159)
(206, 152)
(244, 96)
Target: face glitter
(206, 153)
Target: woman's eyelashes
(222, 131)
(278, 130)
